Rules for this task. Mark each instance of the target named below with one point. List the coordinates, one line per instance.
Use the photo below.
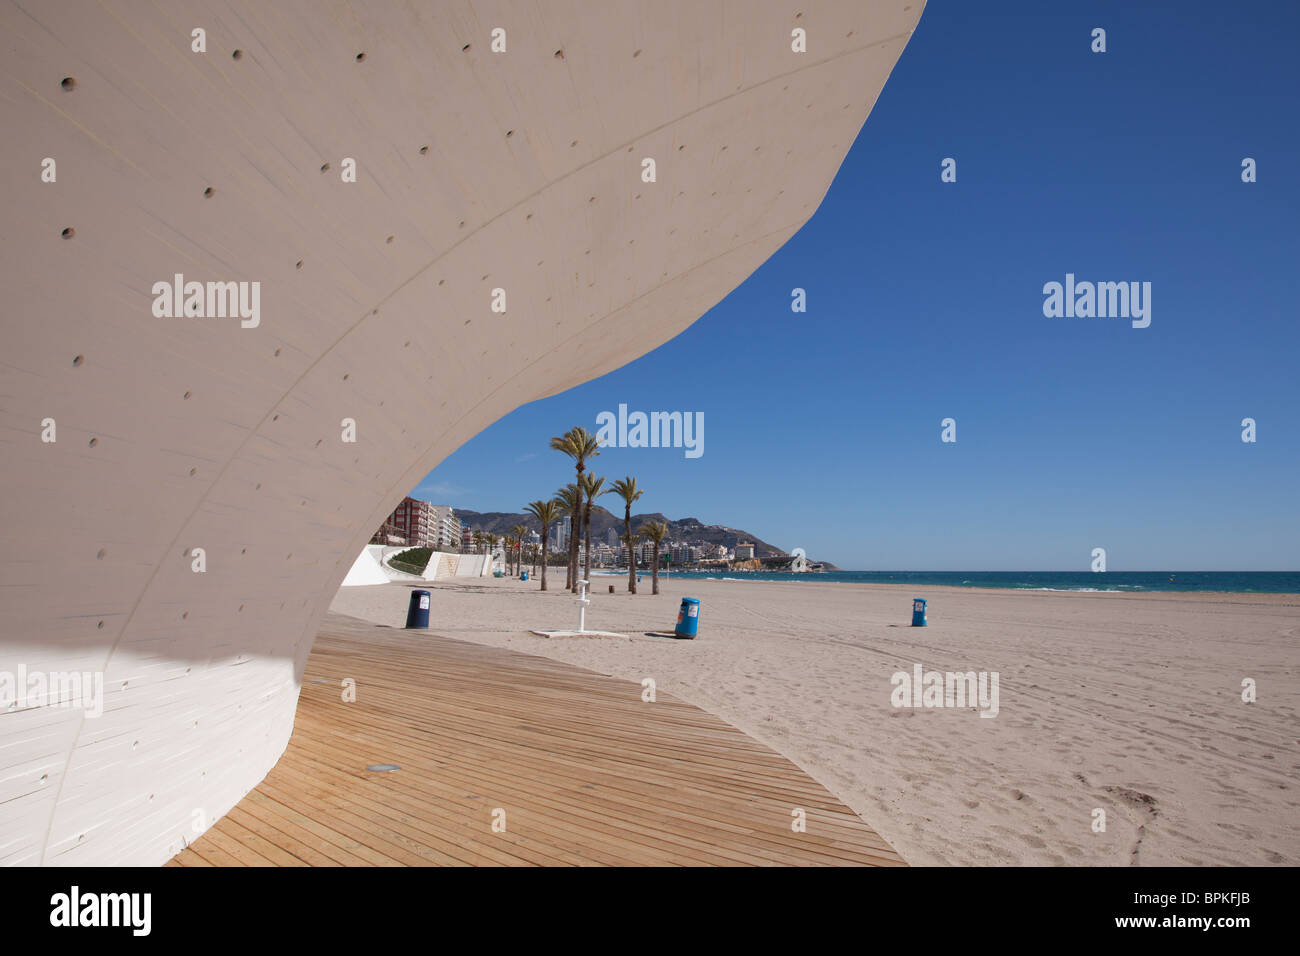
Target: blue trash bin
(524, 576)
(417, 614)
(918, 612)
(688, 618)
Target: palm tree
(627, 490)
(547, 513)
(567, 501)
(491, 540)
(518, 532)
(656, 531)
(580, 445)
(592, 488)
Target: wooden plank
(586, 772)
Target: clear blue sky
(925, 302)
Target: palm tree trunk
(631, 563)
(575, 535)
(586, 557)
(654, 573)
(575, 532)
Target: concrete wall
(475, 171)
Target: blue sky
(925, 302)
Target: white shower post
(582, 603)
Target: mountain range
(684, 529)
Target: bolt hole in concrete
(207, 193)
(68, 83)
(298, 266)
(424, 150)
(77, 360)
(360, 57)
(237, 55)
(325, 167)
(68, 233)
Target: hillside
(685, 529)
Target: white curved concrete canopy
(181, 433)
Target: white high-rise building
(444, 527)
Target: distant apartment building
(412, 521)
(560, 534)
(388, 533)
(744, 551)
(444, 527)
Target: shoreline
(966, 588)
(796, 579)
(1127, 703)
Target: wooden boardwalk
(585, 772)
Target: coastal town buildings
(444, 528)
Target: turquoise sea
(1248, 582)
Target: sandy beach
(1128, 704)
